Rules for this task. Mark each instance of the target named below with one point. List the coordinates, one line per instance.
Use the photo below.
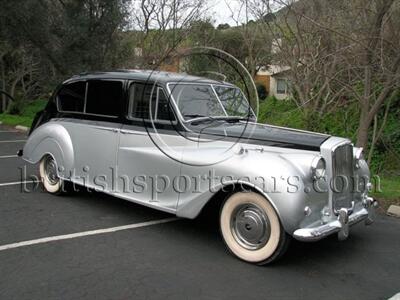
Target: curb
(22, 128)
(394, 211)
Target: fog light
(358, 155)
(307, 211)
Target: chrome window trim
(85, 100)
(89, 114)
(219, 100)
(157, 101)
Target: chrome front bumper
(341, 225)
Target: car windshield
(204, 100)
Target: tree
(74, 35)
(338, 50)
(223, 26)
(254, 45)
(160, 26)
(18, 68)
(42, 41)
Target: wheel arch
(216, 199)
(51, 139)
(288, 206)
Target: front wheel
(49, 176)
(251, 228)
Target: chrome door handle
(133, 132)
(106, 128)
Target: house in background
(273, 77)
(275, 80)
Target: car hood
(262, 134)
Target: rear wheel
(49, 176)
(251, 228)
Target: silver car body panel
(139, 158)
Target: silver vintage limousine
(180, 143)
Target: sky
(220, 11)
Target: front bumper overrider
(345, 219)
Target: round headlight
(318, 167)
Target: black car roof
(144, 75)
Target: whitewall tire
(251, 228)
(48, 174)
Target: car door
(94, 130)
(149, 149)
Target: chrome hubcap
(51, 170)
(250, 226)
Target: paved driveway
(183, 259)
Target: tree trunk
(3, 96)
(362, 135)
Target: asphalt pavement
(181, 259)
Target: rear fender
(52, 139)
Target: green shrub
(16, 107)
(280, 113)
(33, 107)
(24, 114)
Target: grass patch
(27, 115)
(389, 192)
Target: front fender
(288, 198)
(53, 139)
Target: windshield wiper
(226, 119)
(194, 116)
(202, 120)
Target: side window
(104, 98)
(71, 97)
(164, 111)
(139, 100)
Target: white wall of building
(276, 80)
(280, 93)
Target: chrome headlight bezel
(318, 167)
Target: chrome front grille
(342, 181)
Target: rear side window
(71, 97)
(104, 98)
